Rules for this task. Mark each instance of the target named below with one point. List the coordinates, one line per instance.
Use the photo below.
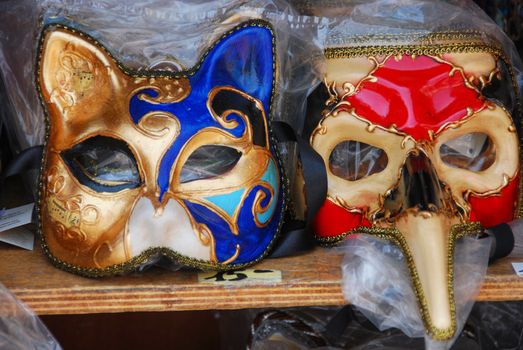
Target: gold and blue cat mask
(143, 163)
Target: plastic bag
(20, 328)
(149, 34)
(377, 282)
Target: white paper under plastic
(20, 328)
(377, 281)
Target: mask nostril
(158, 206)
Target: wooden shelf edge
(308, 280)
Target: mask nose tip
(158, 211)
(158, 202)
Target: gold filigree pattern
(68, 213)
(168, 90)
(75, 77)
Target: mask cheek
(333, 220)
(81, 226)
(505, 204)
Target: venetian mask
(419, 139)
(147, 163)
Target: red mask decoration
(419, 148)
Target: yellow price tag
(242, 276)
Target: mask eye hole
(103, 164)
(474, 151)
(209, 161)
(353, 160)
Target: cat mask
(139, 164)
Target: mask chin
(167, 226)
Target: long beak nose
(421, 213)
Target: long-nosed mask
(142, 163)
(420, 145)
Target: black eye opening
(208, 162)
(103, 164)
(473, 151)
(353, 160)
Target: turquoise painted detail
(228, 202)
(272, 178)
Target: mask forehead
(417, 94)
(224, 65)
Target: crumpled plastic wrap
(491, 325)
(377, 281)
(20, 328)
(147, 34)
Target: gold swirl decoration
(159, 124)
(67, 212)
(74, 77)
(169, 90)
(225, 120)
(259, 209)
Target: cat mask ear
(70, 66)
(244, 60)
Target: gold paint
(333, 93)
(257, 208)
(164, 88)
(488, 182)
(350, 126)
(233, 257)
(222, 119)
(342, 203)
(206, 237)
(496, 191)
(98, 258)
(477, 68)
(467, 81)
(59, 213)
(392, 234)
(459, 123)
(156, 124)
(74, 77)
(98, 180)
(251, 154)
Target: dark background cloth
(508, 14)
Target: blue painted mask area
(227, 202)
(244, 220)
(252, 240)
(244, 61)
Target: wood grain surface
(308, 280)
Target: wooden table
(312, 279)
